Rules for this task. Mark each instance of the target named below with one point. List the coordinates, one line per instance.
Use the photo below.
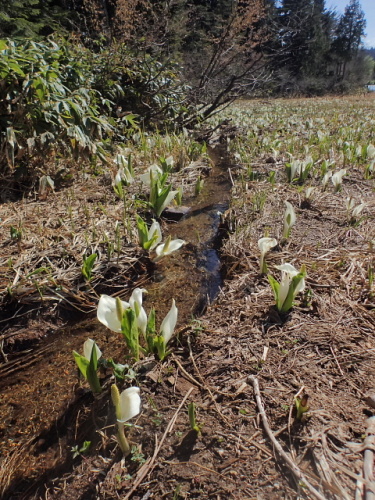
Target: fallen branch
(296, 471)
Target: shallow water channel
(39, 396)
(193, 276)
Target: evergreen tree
(294, 19)
(349, 33)
(318, 40)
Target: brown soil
(324, 348)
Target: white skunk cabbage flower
(370, 152)
(308, 192)
(87, 349)
(129, 404)
(150, 237)
(356, 211)
(108, 313)
(125, 172)
(349, 203)
(292, 283)
(169, 323)
(326, 178)
(265, 244)
(152, 173)
(135, 302)
(288, 271)
(161, 197)
(88, 364)
(155, 231)
(289, 219)
(352, 209)
(167, 248)
(337, 179)
(123, 175)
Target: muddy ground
(240, 361)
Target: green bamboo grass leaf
(131, 120)
(16, 68)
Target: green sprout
(88, 364)
(193, 418)
(88, 264)
(77, 451)
(301, 406)
(289, 219)
(199, 186)
(292, 283)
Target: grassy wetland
(262, 391)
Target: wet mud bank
(43, 411)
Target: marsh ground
(323, 348)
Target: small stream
(193, 276)
(40, 402)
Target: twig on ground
(230, 177)
(289, 462)
(148, 467)
(187, 375)
(337, 363)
